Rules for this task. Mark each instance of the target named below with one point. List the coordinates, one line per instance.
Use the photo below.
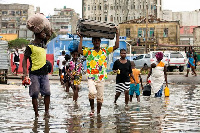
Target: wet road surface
(178, 113)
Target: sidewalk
(173, 78)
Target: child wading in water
(74, 71)
(64, 71)
(123, 68)
(134, 86)
(158, 73)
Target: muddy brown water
(178, 113)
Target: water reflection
(177, 113)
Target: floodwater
(178, 113)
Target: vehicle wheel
(181, 68)
(170, 69)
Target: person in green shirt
(96, 59)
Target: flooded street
(178, 113)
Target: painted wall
(49, 57)
(9, 37)
(61, 42)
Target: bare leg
(126, 92)
(131, 97)
(99, 107)
(193, 70)
(46, 102)
(117, 96)
(76, 89)
(138, 98)
(35, 106)
(92, 105)
(67, 84)
(188, 70)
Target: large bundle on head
(73, 46)
(93, 28)
(38, 23)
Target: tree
(18, 43)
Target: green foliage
(52, 36)
(18, 43)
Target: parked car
(141, 60)
(176, 61)
(165, 57)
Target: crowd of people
(128, 78)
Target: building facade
(186, 18)
(196, 34)
(14, 16)
(158, 32)
(117, 11)
(64, 21)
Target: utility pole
(145, 49)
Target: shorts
(121, 87)
(17, 65)
(188, 66)
(39, 84)
(96, 89)
(159, 93)
(134, 88)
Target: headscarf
(159, 56)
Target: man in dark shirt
(16, 60)
(123, 69)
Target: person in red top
(134, 86)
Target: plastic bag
(147, 90)
(166, 91)
(73, 46)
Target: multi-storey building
(117, 11)
(14, 16)
(64, 21)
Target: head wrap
(159, 56)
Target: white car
(176, 61)
(141, 60)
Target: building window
(88, 7)
(141, 32)
(84, 8)
(94, 7)
(111, 18)
(128, 33)
(106, 18)
(105, 7)
(99, 7)
(151, 32)
(165, 34)
(111, 7)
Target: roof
(151, 19)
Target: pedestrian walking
(60, 65)
(191, 63)
(96, 59)
(38, 70)
(16, 61)
(75, 73)
(123, 68)
(66, 81)
(134, 86)
(157, 75)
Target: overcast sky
(47, 6)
